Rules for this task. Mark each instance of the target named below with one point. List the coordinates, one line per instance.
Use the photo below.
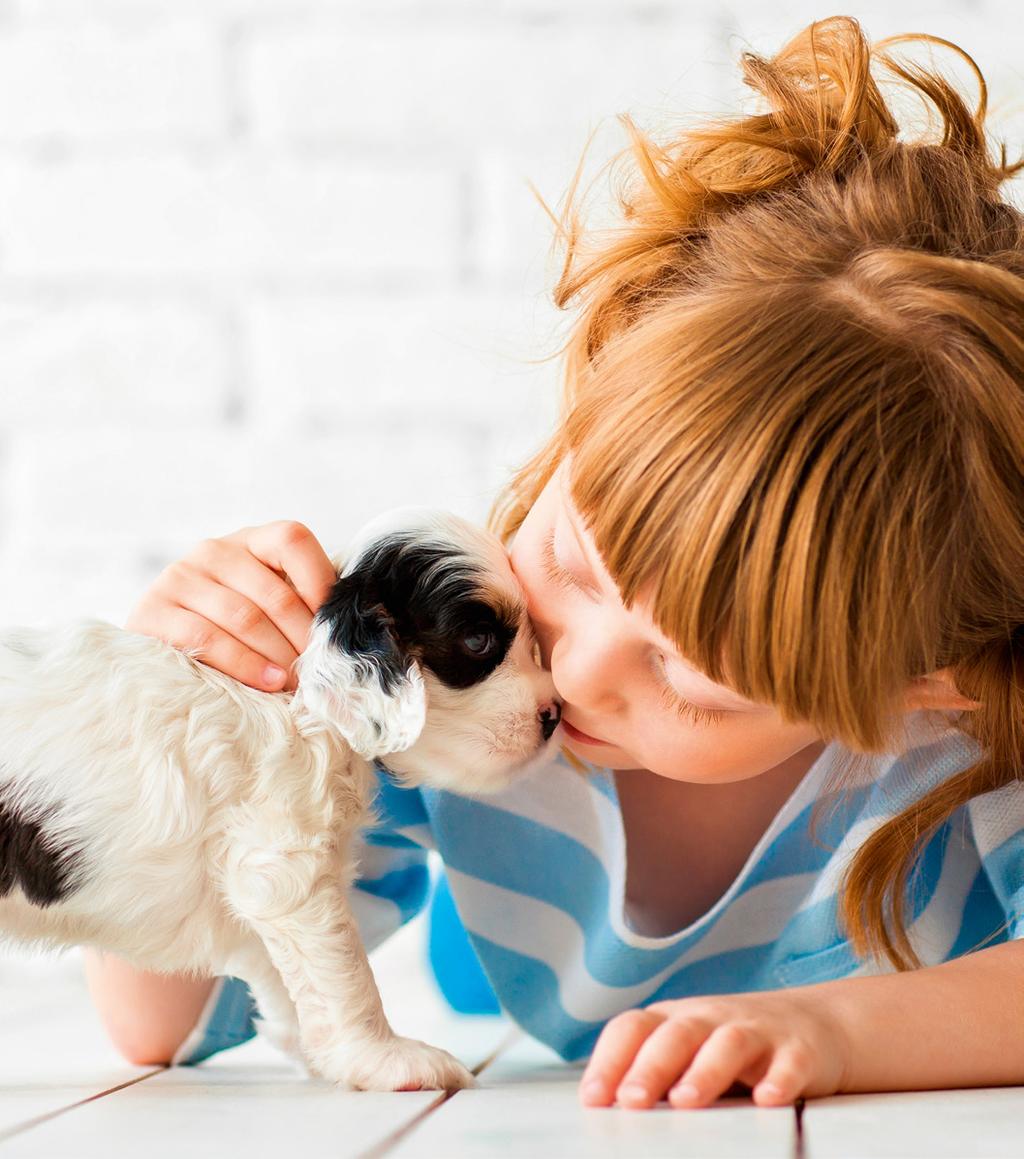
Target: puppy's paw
(394, 1064)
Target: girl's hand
(242, 603)
(783, 1044)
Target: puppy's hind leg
(297, 903)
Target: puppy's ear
(356, 675)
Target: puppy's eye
(479, 643)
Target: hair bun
(825, 113)
(824, 106)
(826, 117)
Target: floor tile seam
(36, 1120)
(400, 1133)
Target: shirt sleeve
(392, 887)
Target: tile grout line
(393, 1138)
(36, 1120)
(799, 1140)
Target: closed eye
(559, 575)
(672, 700)
(552, 568)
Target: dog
(153, 807)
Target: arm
(960, 1024)
(147, 1015)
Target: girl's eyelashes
(552, 568)
(672, 700)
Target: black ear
(356, 673)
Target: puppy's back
(115, 752)
(100, 693)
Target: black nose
(550, 715)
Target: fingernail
(769, 1091)
(272, 674)
(594, 1091)
(684, 1093)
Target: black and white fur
(155, 808)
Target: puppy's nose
(550, 715)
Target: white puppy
(153, 807)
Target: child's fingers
(659, 1062)
(614, 1053)
(231, 611)
(242, 602)
(226, 583)
(727, 1053)
(292, 549)
(786, 1078)
(213, 646)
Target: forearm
(960, 1024)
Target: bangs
(730, 479)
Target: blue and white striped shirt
(538, 876)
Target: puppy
(155, 808)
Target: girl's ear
(936, 691)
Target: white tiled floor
(64, 1092)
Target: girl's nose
(588, 675)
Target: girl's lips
(582, 737)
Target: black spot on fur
(408, 600)
(29, 860)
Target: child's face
(620, 678)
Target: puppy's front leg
(295, 900)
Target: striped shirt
(538, 875)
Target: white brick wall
(100, 84)
(279, 258)
(531, 82)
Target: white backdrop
(267, 259)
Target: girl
(774, 554)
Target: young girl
(774, 554)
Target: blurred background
(280, 259)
